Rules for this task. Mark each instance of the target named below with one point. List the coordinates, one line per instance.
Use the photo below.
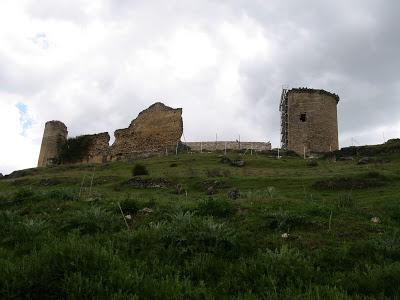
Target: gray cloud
(224, 62)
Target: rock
(375, 220)
(234, 194)
(211, 190)
(285, 235)
(364, 161)
(238, 163)
(225, 160)
(128, 217)
(144, 183)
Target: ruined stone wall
(230, 145)
(54, 136)
(156, 129)
(312, 121)
(98, 150)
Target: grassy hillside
(197, 227)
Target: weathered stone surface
(312, 121)
(156, 129)
(228, 145)
(98, 149)
(54, 136)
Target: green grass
(297, 231)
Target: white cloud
(96, 64)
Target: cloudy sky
(96, 64)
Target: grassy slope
(54, 245)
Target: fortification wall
(98, 150)
(54, 136)
(312, 121)
(230, 145)
(156, 129)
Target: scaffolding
(283, 108)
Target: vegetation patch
(215, 207)
(144, 183)
(75, 149)
(368, 180)
(139, 170)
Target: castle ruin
(309, 121)
(55, 134)
(308, 125)
(156, 130)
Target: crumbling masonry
(156, 130)
(309, 121)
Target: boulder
(234, 194)
(238, 163)
(364, 161)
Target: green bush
(139, 170)
(215, 207)
(75, 149)
(129, 206)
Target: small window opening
(303, 117)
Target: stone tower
(54, 136)
(309, 121)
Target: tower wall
(54, 136)
(312, 121)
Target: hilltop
(203, 226)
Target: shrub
(215, 207)
(129, 206)
(75, 149)
(139, 170)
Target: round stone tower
(309, 121)
(54, 136)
